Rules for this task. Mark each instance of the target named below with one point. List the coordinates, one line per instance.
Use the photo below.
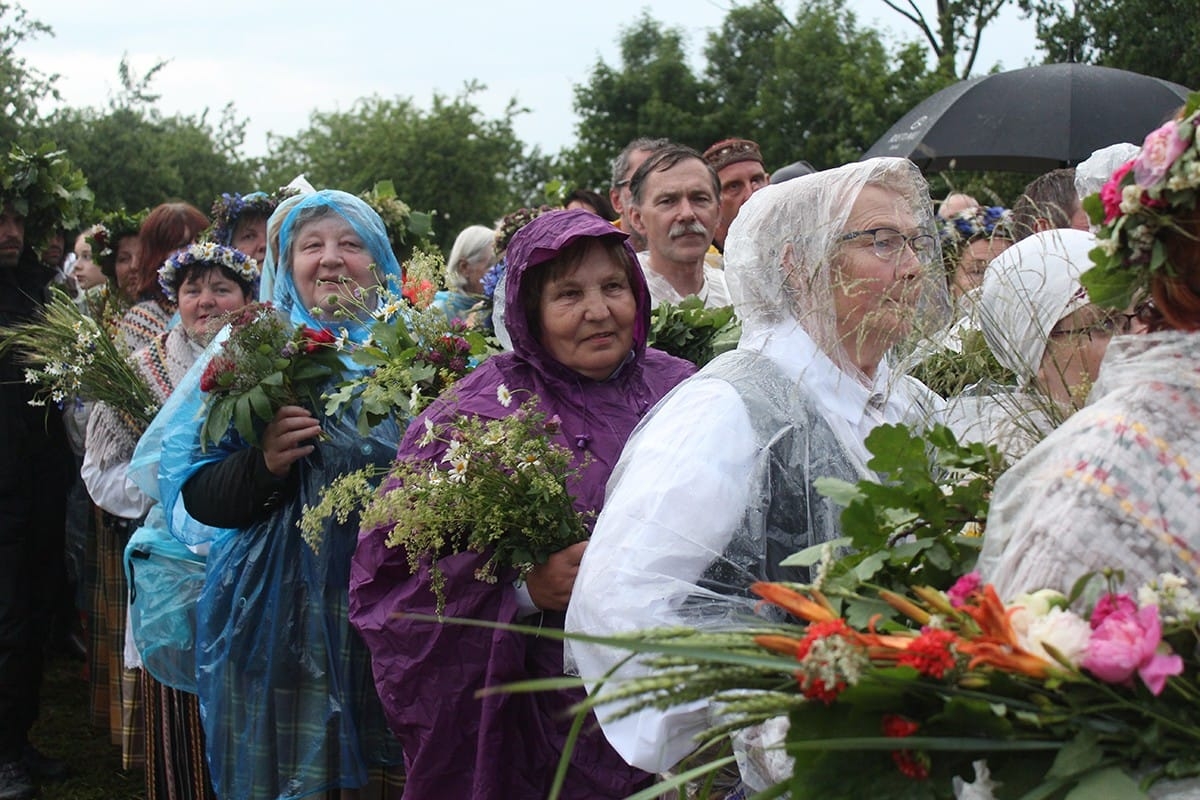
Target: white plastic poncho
(715, 487)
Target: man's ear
(635, 219)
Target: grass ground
(63, 731)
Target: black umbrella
(1030, 120)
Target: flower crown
(44, 187)
(512, 222)
(975, 223)
(243, 267)
(229, 208)
(1139, 203)
(108, 232)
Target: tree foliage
(449, 159)
(1153, 37)
(814, 86)
(136, 157)
(21, 86)
(954, 32)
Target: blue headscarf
(369, 228)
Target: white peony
(1065, 632)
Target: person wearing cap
(740, 169)
(676, 207)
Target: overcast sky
(278, 60)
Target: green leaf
(1079, 755)
(812, 554)
(1110, 783)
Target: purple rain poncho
(504, 746)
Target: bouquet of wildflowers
(413, 355)
(1025, 699)
(501, 489)
(263, 365)
(69, 355)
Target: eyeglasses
(1106, 327)
(889, 242)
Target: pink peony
(1111, 604)
(963, 588)
(1126, 642)
(1161, 149)
(1110, 193)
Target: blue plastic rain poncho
(285, 684)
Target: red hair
(167, 228)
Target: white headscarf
(808, 215)
(1026, 290)
(1094, 171)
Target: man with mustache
(36, 469)
(676, 206)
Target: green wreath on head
(107, 234)
(44, 188)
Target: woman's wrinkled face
(127, 264)
(1074, 350)
(204, 298)
(973, 263)
(587, 315)
(874, 295)
(473, 272)
(250, 236)
(332, 267)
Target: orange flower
(815, 610)
(997, 646)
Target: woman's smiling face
(330, 264)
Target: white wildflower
(528, 461)
(430, 433)
(1131, 199)
(458, 469)
(31, 376)
(414, 397)
(504, 396)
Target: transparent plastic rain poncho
(716, 486)
(285, 686)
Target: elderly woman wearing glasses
(828, 273)
(1038, 322)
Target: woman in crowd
(1115, 486)
(284, 683)
(579, 315)
(828, 272)
(206, 282)
(1039, 324)
(241, 222)
(470, 257)
(166, 228)
(970, 240)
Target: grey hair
(1050, 197)
(472, 244)
(620, 164)
(664, 159)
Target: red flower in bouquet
(314, 339)
(930, 653)
(217, 374)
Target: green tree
(1153, 37)
(652, 92)
(817, 87)
(21, 86)
(136, 157)
(449, 159)
(955, 31)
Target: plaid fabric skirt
(116, 693)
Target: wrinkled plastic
(165, 579)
